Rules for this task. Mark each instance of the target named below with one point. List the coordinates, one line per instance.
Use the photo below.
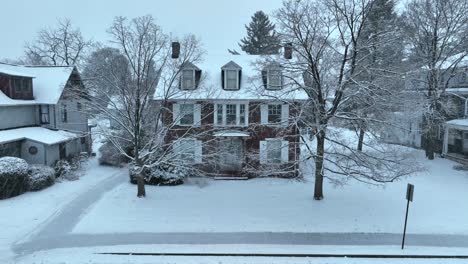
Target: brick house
(41, 118)
(232, 117)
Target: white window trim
(264, 151)
(226, 82)
(268, 80)
(246, 114)
(284, 115)
(182, 80)
(176, 114)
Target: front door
(231, 154)
(62, 151)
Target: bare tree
(145, 65)
(327, 38)
(436, 33)
(61, 45)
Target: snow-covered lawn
(274, 205)
(88, 255)
(24, 215)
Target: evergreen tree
(261, 36)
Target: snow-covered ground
(24, 215)
(277, 205)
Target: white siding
(38, 158)
(17, 116)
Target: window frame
(182, 114)
(183, 78)
(236, 73)
(269, 85)
(223, 111)
(279, 107)
(43, 114)
(63, 113)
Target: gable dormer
(16, 86)
(272, 76)
(231, 75)
(190, 76)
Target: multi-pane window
(186, 114)
(274, 79)
(231, 79)
(242, 114)
(44, 113)
(219, 114)
(273, 151)
(231, 114)
(274, 113)
(188, 80)
(63, 113)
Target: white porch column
(445, 143)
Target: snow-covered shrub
(110, 155)
(61, 168)
(67, 169)
(13, 177)
(40, 177)
(162, 175)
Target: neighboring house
(42, 119)
(231, 119)
(453, 136)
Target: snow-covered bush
(162, 175)
(13, 177)
(110, 155)
(67, 169)
(40, 177)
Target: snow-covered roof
(38, 134)
(231, 134)
(48, 83)
(210, 87)
(458, 123)
(457, 90)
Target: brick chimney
(288, 50)
(175, 50)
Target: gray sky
(219, 23)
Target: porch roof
(231, 134)
(38, 134)
(461, 124)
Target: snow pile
(40, 177)
(13, 177)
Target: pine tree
(261, 36)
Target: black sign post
(409, 198)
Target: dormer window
(231, 76)
(188, 79)
(274, 79)
(232, 79)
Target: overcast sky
(219, 23)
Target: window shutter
(284, 151)
(239, 79)
(198, 151)
(265, 78)
(197, 77)
(176, 113)
(264, 114)
(285, 115)
(223, 74)
(263, 152)
(197, 115)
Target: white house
(41, 119)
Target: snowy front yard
(274, 205)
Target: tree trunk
(361, 139)
(318, 190)
(141, 186)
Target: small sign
(409, 192)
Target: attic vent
(288, 51)
(175, 50)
